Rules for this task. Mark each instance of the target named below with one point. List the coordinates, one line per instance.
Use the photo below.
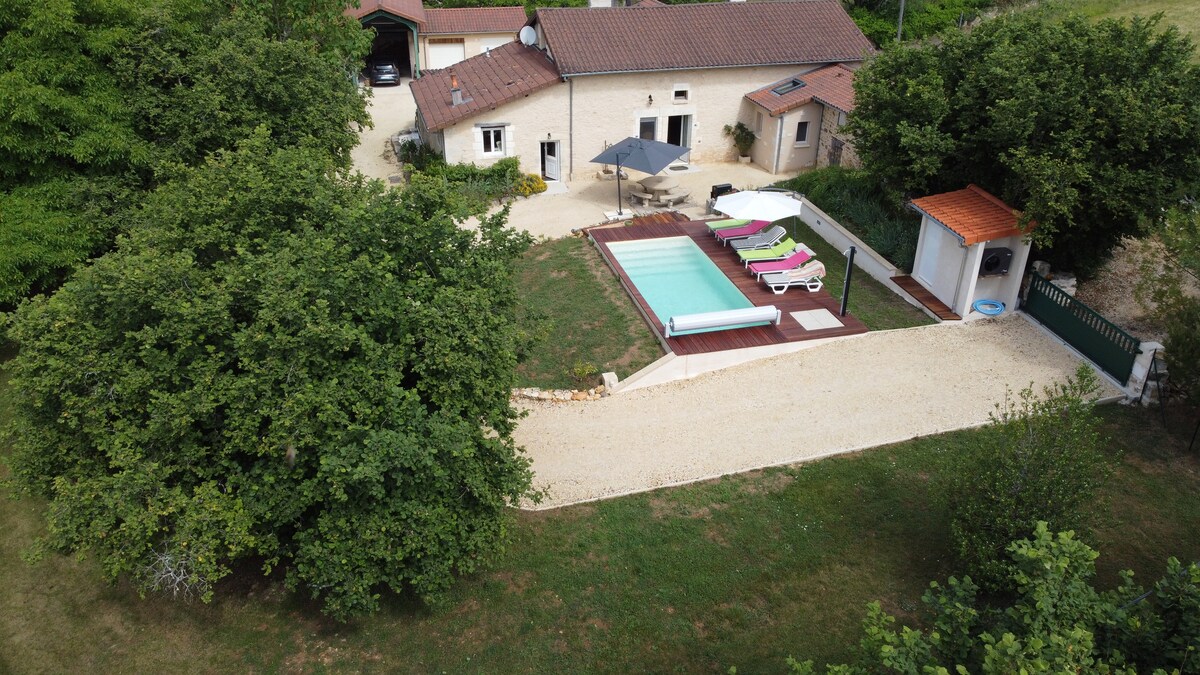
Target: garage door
(444, 53)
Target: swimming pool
(675, 277)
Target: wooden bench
(726, 318)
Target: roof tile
(973, 214)
(408, 9)
(830, 85)
(475, 20)
(487, 81)
(593, 40)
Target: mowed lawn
(1183, 13)
(741, 571)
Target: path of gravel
(857, 393)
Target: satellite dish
(528, 35)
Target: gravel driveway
(857, 393)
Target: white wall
(794, 157)
(939, 264)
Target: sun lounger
(730, 233)
(724, 223)
(802, 255)
(809, 276)
(765, 239)
(777, 252)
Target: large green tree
(98, 96)
(279, 363)
(1090, 128)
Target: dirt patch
(1112, 291)
(515, 583)
(766, 481)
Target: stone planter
(744, 159)
(610, 175)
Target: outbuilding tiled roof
(408, 9)
(830, 85)
(506, 73)
(972, 213)
(593, 40)
(475, 20)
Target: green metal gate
(1095, 337)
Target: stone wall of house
(541, 116)
(797, 154)
(609, 108)
(831, 129)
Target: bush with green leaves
(281, 363)
(1041, 459)
(100, 98)
(860, 203)
(1057, 621)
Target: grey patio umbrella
(639, 154)
(760, 205)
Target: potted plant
(743, 139)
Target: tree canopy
(1056, 622)
(284, 364)
(1090, 128)
(99, 98)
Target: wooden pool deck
(794, 300)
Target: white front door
(550, 169)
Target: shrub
(530, 184)
(859, 202)
(1040, 460)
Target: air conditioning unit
(995, 262)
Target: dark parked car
(384, 72)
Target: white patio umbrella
(760, 205)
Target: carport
(396, 24)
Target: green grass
(589, 317)
(1182, 13)
(870, 301)
(740, 571)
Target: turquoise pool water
(675, 277)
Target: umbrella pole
(619, 200)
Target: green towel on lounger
(780, 250)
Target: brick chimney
(456, 98)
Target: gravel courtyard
(856, 393)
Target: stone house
(580, 79)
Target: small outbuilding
(971, 249)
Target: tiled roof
(487, 81)
(972, 213)
(830, 85)
(649, 3)
(625, 39)
(475, 20)
(408, 9)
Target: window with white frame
(681, 93)
(758, 123)
(493, 141)
(802, 133)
